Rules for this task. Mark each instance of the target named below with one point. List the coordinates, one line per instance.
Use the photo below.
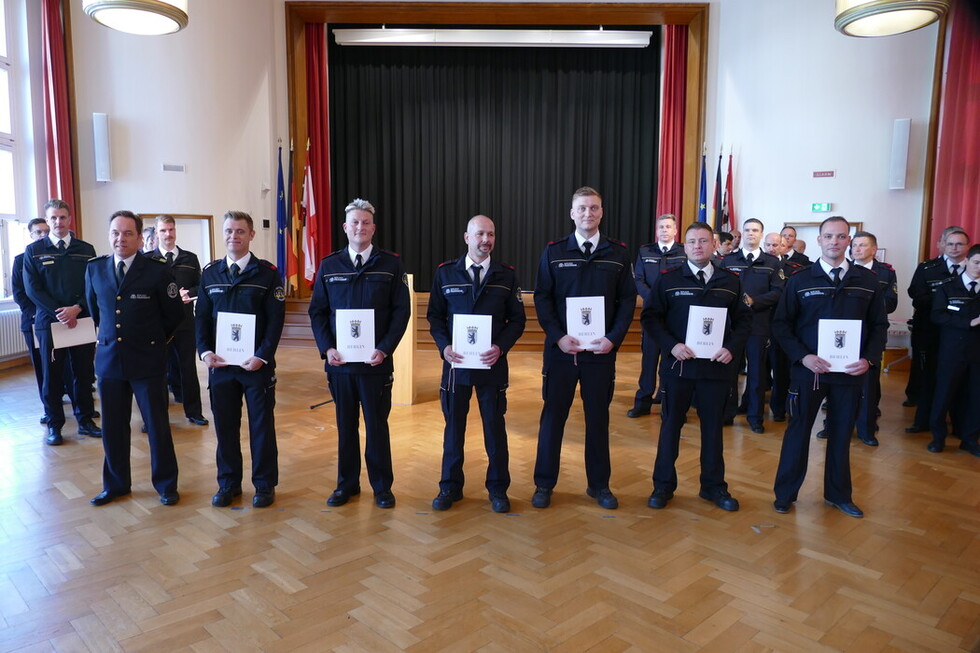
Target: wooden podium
(403, 391)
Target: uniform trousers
(596, 381)
(925, 361)
(117, 412)
(371, 393)
(492, 400)
(227, 386)
(867, 419)
(182, 371)
(756, 371)
(649, 364)
(779, 363)
(959, 383)
(53, 363)
(677, 396)
(804, 404)
(36, 362)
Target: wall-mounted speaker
(103, 158)
(898, 163)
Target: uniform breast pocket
(857, 299)
(378, 289)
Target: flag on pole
(292, 228)
(716, 208)
(703, 195)
(281, 226)
(729, 221)
(309, 223)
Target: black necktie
(61, 245)
(836, 273)
(954, 269)
(120, 272)
(701, 277)
(234, 270)
(750, 258)
(665, 251)
(476, 277)
(973, 288)
(587, 246)
(358, 263)
(170, 259)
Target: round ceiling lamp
(886, 17)
(143, 17)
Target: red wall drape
(957, 183)
(319, 133)
(57, 126)
(670, 172)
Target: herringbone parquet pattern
(299, 576)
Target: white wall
(789, 93)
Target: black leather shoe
(264, 498)
(44, 419)
(446, 499)
(384, 499)
(659, 499)
(757, 428)
(604, 497)
(782, 507)
(729, 421)
(89, 428)
(908, 403)
(96, 414)
(340, 497)
(779, 418)
(638, 412)
(499, 503)
(871, 441)
(722, 499)
(199, 420)
(821, 435)
(541, 498)
(223, 497)
(970, 447)
(916, 429)
(105, 496)
(847, 508)
(169, 498)
(54, 437)
(935, 447)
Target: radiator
(11, 340)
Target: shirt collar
(868, 265)
(127, 261)
(827, 267)
(242, 263)
(581, 240)
(756, 253)
(470, 263)
(163, 252)
(54, 239)
(365, 255)
(707, 269)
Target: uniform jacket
(651, 262)
(763, 281)
(665, 314)
(800, 259)
(257, 290)
(135, 319)
(953, 307)
(928, 276)
(380, 284)
(27, 308)
(809, 296)
(565, 272)
(53, 278)
(889, 284)
(187, 273)
(499, 296)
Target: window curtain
(957, 191)
(434, 136)
(670, 182)
(319, 135)
(57, 130)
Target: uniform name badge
(585, 319)
(471, 337)
(839, 343)
(235, 337)
(706, 330)
(82, 334)
(355, 334)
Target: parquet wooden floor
(299, 576)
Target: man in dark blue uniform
(652, 260)
(182, 352)
(928, 276)
(38, 230)
(829, 289)
(778, 363)
(136, 307)
(789, 249)
(956, 314)
(361, 276)
(762, 279)
(582, 265)
(864, 247)
(475, 285)
(54, 279)
(723, 245)
(665, 316)
(242, 283)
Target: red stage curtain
(957, 184)
(57, 130)
(670, 181)
(319, 133)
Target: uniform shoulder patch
(509, 267)
(405, 279)
(99, 258)
(172, 291)
(391, 253)
(268, 264)
(211, 263)
(445, 263)
(782, 275)
(280, 293)
(520, 295)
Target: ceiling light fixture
(886, 17)
(143, 17)
(495, 38)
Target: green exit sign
(820, 207)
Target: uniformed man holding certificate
(468, 293)
(830, 289)
(360, 291)
(696, 314)
(241, 307)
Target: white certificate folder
(82, 334)
(585, 319)
(471, 337)
(355, 334)
(706, 330)
(839, 342)
(235, 337)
